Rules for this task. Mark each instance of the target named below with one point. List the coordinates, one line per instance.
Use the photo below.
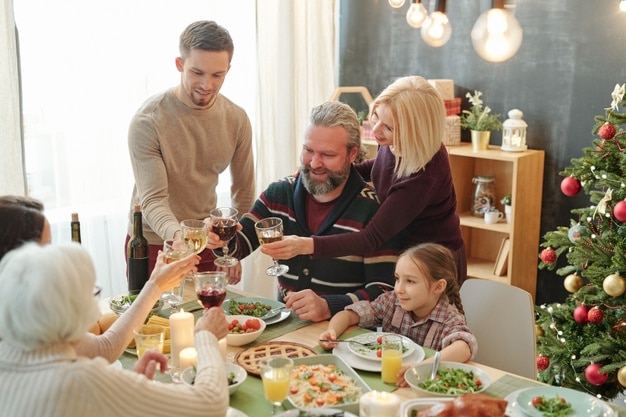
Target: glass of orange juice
(391, 346)
(149, 336)
(276, 373)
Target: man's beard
(334, 179)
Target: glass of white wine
(270, 230)
(195, 232)
(224, 224)
(175, 250)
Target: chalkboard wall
(573, 54)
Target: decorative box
(445, 88)
(453, 107)
(452, 134)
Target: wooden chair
(502, 317)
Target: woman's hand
(168, 276)
(288, 247)
(214, 321)
(147, 363)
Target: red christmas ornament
(542, 362)
(593, 376)
(580, 314)
(548, 256)
(595, 315)
(619, 211)
(607, 131)
(570, 186)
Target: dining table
(249, 397)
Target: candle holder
(514, 132)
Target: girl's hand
(328, 335)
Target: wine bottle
(137, 251)
(75, 225)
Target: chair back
(502, 317)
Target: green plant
(478, 117)
(506, 200)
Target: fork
(372, 343)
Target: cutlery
(274, 311)
(433, 374)
(372, 343)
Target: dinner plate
(584, 405)
(251, 300)
(357, 362)
(370, 352)
(233, 412)
(278, 318)
(315, 412)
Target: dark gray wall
(572, 56)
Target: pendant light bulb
(436, 30)
(496, 35)
(396, 3)
(417, 13)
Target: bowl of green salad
(452, 380)
(121, 302)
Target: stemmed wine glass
(224, 224)
(175, 250)
(210, 287)
(195, 231)
(270, 230)
(276, 374)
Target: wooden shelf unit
(518, 173)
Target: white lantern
(514, 132)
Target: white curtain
(87, 67)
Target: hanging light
(417, 13)
(436, 30)
(496, 35)
(396, 3)
(622, 5)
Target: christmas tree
(581, 343)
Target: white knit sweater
(55, 382)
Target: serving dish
(410, 407)
(305, 412)
(121, 302)
(342, 367)
(421, 373)
(188, 375)
(585, 405)
(370, 352)
(240, 339)
(275, 307)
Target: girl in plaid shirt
(425, 306)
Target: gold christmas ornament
(573, 282)
(614, 285)
(621, 376)
(538, 331)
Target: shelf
(469, 220)
(483, 269)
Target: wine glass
(195, 231)
(210, 287)
(224, 224)
(270, 230)
(175, 250)
(276, 374)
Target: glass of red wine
(224, 224)
(210, 287)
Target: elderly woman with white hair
(46, 307)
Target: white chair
(502, 317)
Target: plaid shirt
(443, 325)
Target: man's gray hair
(338, 114)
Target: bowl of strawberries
(243, 329)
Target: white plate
(315, 412)
(233, 412)
(514, 409)
(277, 319)
(369, 353)
(266, 301)
(117, 364)
(410, 406)
(356, 362)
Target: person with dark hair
(47, 304)
(182, 139)
(425, 306)
(22, 220)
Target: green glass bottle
(137, 253)
(75, 225)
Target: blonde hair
(419, 118)
(47, 295)
(437, 262)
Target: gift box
(445, 88)
(452, 134)
(453, 107)
(367, 132)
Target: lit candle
(188, 357)
(379, 404)
(181, 334)
(223, 347)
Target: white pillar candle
(223, 346)
(379, 404)
(188, 357)
(181, 334)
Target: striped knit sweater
(341, 281)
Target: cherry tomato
(379, 353)
(379, 340)
(536, 401)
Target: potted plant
(506, 202)
(480, 121)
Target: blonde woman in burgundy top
(411, 175)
